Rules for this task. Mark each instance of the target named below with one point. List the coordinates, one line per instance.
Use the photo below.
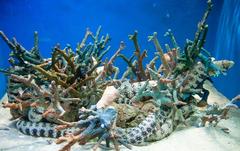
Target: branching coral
(19, 54)
(214, 113)
(54, 89)
(53, 93)
(140, 56)
(160, 52)
(99, 124)
(71, 75)
(193, 49)
(96, 122)
(136, 67)
(108, 67)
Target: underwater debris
(80, 92)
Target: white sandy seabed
(186, 139)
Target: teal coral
(54, 89)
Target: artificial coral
(76, 96)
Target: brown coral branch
(52, 76)
(11, 105)
(53, 95)
(141, 75)
(57, 52)
(71, 139)
(64, 126)
(215, 118)
(70, 88)
(116, 144)
(29, 82)
(20, 104)
(84, 81)
(45, 63)
(48, 112)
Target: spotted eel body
(152, 128)
(139, 135)
(41, 129)
(194, 78)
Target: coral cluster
(65, 82)
(77, 96)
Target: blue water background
(65, 21)
(227, 45)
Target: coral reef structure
(77, 97)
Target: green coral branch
(19, 52)
(202, 30)
(153, 62)
(174, 42)
(160, 51)
(35, 50)
(108, 67)
(168, 48)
